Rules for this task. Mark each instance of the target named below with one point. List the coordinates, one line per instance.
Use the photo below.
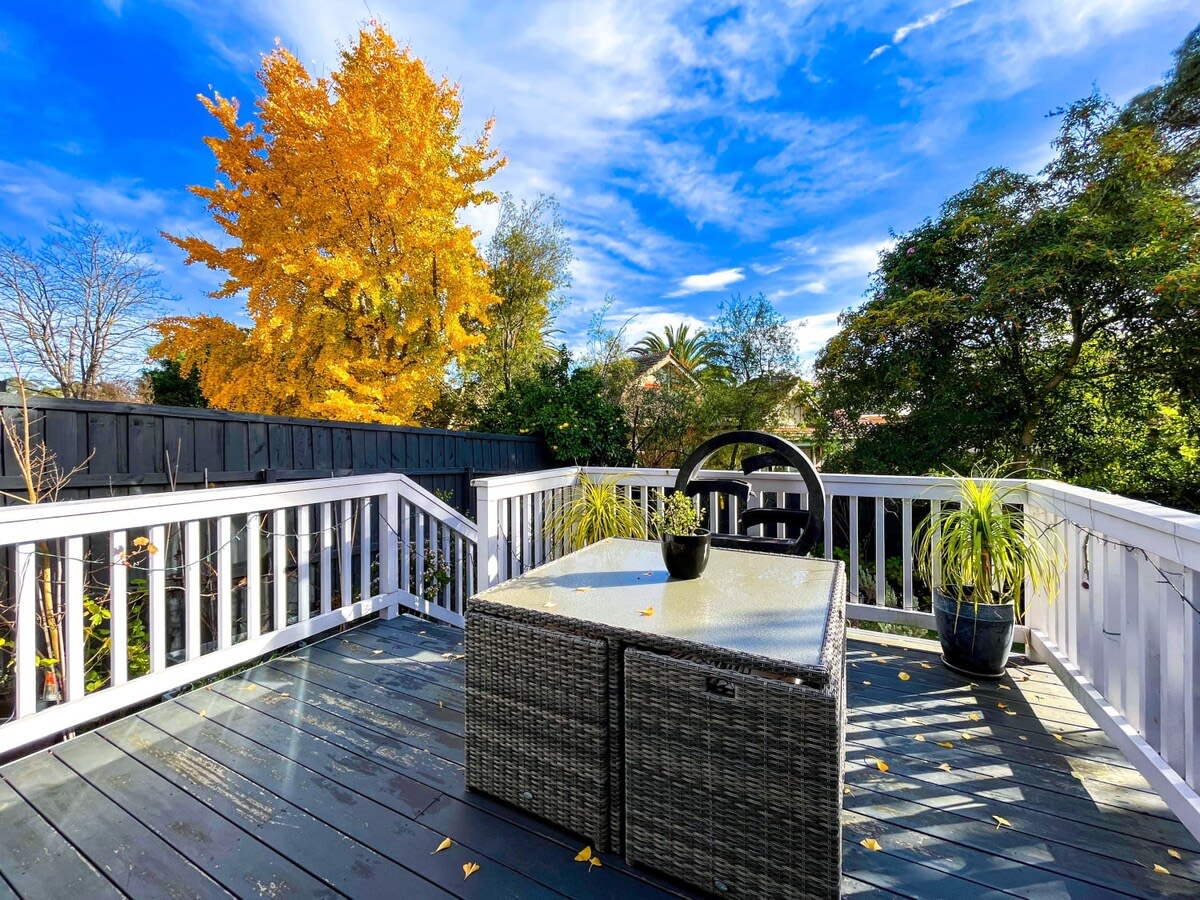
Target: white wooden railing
(1123, 632)
(112, 602)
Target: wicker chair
(780, 452)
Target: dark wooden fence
(146, 449)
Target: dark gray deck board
(134, 858)
(31, 847)
(342, 762)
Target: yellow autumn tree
(341, 205)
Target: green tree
(528, 260)
(570, 409)
(753, 341)
(979, 320)
(1172, 109)
(170, 387)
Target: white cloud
(813, 332)
(925, 21)
(713, 281)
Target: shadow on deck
(338, 771)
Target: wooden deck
(338, 770)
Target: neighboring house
(655, 370)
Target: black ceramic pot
(686, 555)
(975, 639)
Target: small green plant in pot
(685, 545)
(593, 511)
(986, 550)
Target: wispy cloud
(713, 281)
(901, 33)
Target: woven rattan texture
(538, 723)
(734, 781)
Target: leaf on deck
(946, 744)
(1161, 870)
(871, 844)
(945, 767)
(583, 855)
(648, 611)
(1001, 821)
(903, 676)
(446, 844)
(469, 869)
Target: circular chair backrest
(780, 452)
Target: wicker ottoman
(733, 781)
(538, 723)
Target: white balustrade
(190, 584)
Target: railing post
(487, 556)
(1037, 609)
(389, 568)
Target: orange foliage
(342, 208)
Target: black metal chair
(780, 452)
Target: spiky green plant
(595, 510)
(986, 546)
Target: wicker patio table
(697, 726)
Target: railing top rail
(1171, 533)
(501, 486)
(45, 521)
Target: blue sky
(696, 148)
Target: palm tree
(695, 352)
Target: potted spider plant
(593, 511)
(986, 551)
(685, 544)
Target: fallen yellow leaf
(919, 737)
(1010, 712)
(580, 590)
(469, 869)
(903, 676)
(1022, 737)
(871, 844)
(1058, 737)
(881, 765)
(926, 666)
(945, 767)
(1001, 706)
(1174, 854)
(583, 855)
(866, 682)
(593, 862)
(974, 717)
(846, 791)
(910, 720)
(648, 611)
(946, 744)
(1000, 820)
(1003, 687)
(446, 844)
(1161, 870)
(966, 736)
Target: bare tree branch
(79, 307)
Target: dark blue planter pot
(686, 555)
(975, 640)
